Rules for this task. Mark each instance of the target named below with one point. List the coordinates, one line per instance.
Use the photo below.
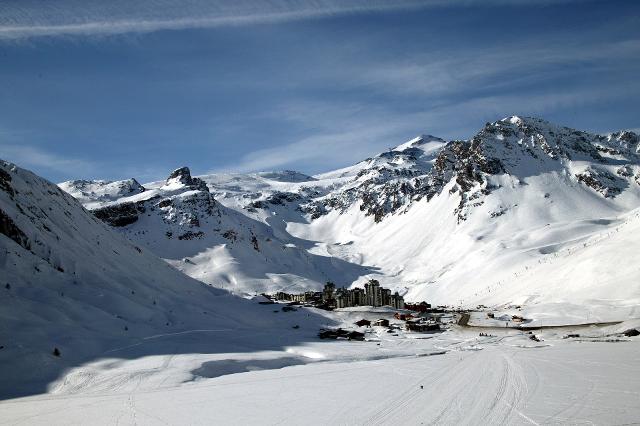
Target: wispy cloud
(34, 18)
(36, 158)
(326, 148)
(334, 133)
(441, 73)
(346, 134)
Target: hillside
(525, 212)
(71, 282)
(477, 221)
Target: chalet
(340, 333)
(516, 318)
(418, 307)
(402, 317)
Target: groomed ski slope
(466, 379)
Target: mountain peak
(626, 136)
(182, 176)
(419, 141)
(519, 120)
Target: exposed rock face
(385, 183)
(604, 182)
(183, 202)
(5, 183)
(186, 210)
(7, 225)
(11, 230)
(626, 139)
(514, 146)
(278, 198)
(183, 176)
(122, 214)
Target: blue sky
(111, 90)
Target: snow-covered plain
(456, 377)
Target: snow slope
(527, 232)
(71, 282)
(453, 378)
(181, 221)
(524, 212)
(98, 192)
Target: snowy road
(490, 380)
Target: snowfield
(505, 378)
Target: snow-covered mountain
(180, 220)
(71, 282)
(98, 191)
(523, 212)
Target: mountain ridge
(417, 216)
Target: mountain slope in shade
(450, 222)
(71, 282)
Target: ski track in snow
(478, 380)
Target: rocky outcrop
(186, 203)
(626, 140)
(602, 181)
(5, 183)
(118, 215)
(183, 176)
(278, 198)
(514, 146)
(11, 230)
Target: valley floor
(455, 377)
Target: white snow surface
(71, 282)
(99, 192)
(455, 377)
(531, 233)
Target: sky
(112, 90)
